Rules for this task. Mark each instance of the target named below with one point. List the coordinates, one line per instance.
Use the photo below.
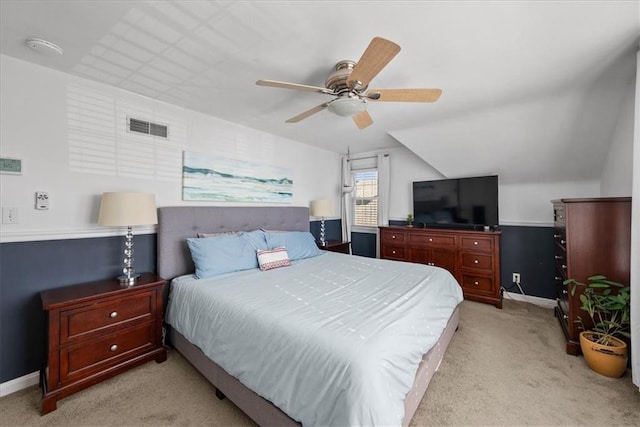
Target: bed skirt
(265, 413)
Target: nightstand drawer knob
(113, 347)
(113, 314)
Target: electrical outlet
(516, 278)
(42, 200)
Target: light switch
(9, 215)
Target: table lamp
(127, 210)
(322, 208)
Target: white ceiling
(526, 84)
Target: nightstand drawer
(81, 322)
(83, 358)
(477, 261)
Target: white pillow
(273, 258)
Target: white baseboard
(18, 384)
(542, 302)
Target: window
(365, 199)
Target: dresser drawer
(81, 359)
(392, 236)
(394, 252)
(476, 244)
(477, 261)
(81, 323)
(433, 240)
(477, 283)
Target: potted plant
(603, 350)
(409, 220)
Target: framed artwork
(211, 178)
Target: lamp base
(128, 280)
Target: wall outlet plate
(42, 200)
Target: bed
(304, 391)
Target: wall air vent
(148, 128)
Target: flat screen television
(456, 203)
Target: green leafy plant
(608, 310)
(409, 219)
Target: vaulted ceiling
(526, 84)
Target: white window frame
(373, 229)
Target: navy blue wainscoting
(332, 229)
(363, 244)
(528, 251)
(27, 268)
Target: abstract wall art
(207, 177)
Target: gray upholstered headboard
(177, 223)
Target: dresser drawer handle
(564, 267)
(558, 257)
(557, 235)
(475, 261)
(564, 292)
(113, 314)
(393, 237)
(430, 239)
(565, 317)
(393, 252)
(113, 347)
(475, 243)
(557, 277)
(476, 283)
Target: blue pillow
(226, 253)
(299, 244)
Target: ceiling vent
(148, 128)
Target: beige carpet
(503, 367)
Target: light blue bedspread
(332, 340)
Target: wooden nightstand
(98, 330)
(337, 246)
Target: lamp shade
(127, 209)
(322, 207)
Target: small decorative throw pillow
(273, 258)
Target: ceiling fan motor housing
(337, 80)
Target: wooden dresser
(592, 236)
(98, 330)
(473, 257)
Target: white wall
(520, 204)
(56, 123)
(617, 171)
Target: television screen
(463, 202)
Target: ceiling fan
(349, 82)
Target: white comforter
(332, 340)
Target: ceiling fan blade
(362, 119)
(308, 113)
(294, 86)
(378, 54)
(403, 95)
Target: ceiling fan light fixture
(347, 106)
